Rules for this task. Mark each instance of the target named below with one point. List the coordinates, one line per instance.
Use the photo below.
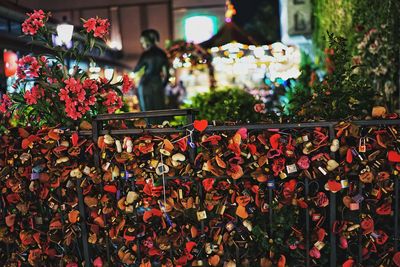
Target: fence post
(95, 134)
(396, 213)
(3, 208)
(84, 236)
(81, 207)
(332, 207)
(308, 236)
(359, 230)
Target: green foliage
(333, 16)
(372, 31)
(300, 89)
(343, 93)
(230, 104)
(377, 47)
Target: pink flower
(32, 96)
(34, 22)
(357, 60)
(259, 108)
(99, 27)
(5, 103)
(127, 84)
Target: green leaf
(92, 42)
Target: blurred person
(151, 89)
(176, 95)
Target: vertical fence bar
(359, 231)
(4, 211)
(81, 206)
(60, 201)
(396, 213)
(190, 118)
(95, 133)
(308, 236)
(270, 197)
(332, 209)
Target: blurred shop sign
(299, 17)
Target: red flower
(78, 97)
(34, 22)
(99, 27)
(90, 24)
(28, 67)
(127, 84)
(5, 103)
(112, 101)
(33, 95)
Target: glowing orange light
(230, 11)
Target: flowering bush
(96, 26)
(47, 93)
(35, 22)
(373, 60)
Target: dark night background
(260, 18)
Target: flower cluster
(34, 22)
(32, 96)
(5, 103)
(127, 84)
(372, 50)
(58, 95)
(28, 67)
(78, 97)
(374, 45)
(112, 101)
(99, 27)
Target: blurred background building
(174, 19)
(210, 44)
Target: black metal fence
(362, 246)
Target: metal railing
(98, 130)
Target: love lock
(108, 139)
(162, 169)
(332, 165)
(76, 173)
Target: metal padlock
(180, 193)
(344, 183)
(106, 166)
(291, 168)
(35, 176)
(282, 175)
(229, 226)
(38, 220)
(129, 209)
(322, 170)
(375, 192)
(86, 170)
(221, 209)
(361, 146)
(319, 245)
(201, 215)
(358, 198)
(354, 206)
